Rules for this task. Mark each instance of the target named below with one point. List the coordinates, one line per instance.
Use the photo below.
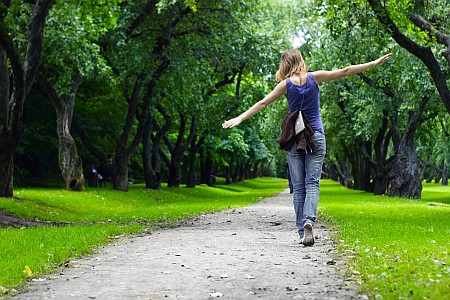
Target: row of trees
(143, 87)
(144, 81)
(391, 125)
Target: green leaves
(163, 5)
(71, 40)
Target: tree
(73, 26)
(380, 127)
(125, 49)
(22, 65)
(219, 49)
(428, 35)
(433, 144)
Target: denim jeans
(305, 170)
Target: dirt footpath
(246, 253)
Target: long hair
(291, 63)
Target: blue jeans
(305, 170)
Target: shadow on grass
(436, 197)
(227, 188)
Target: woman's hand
(382, 59)
(276, 93)
(232, 122)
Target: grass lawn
(98, 214)
(396, 248)
(136, 205)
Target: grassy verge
(28, 253)
(104, 213)
(139, 204)
(396, 248)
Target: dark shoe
(308, 239)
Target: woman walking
(302, 92)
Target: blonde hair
(291, 63)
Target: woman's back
(306, 97)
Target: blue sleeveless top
(311, 102)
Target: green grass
(395, 248)
(100, 213)
(139, 204)
(46, 248)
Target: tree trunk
(380, 180)
(438, 178)
(6, 169)
(433, 170)
(12, 95)
(120, 177)
(228, 176)
(6, 149)
(126, 149)
(69, 161)
(146, 152)
(70, 164)
(235, 173)
(342, 174)
(430, 178)
(206, 168)
(151, 156)
(156, 179)
(174, 175)
(156, 149)
(381, 168)
(241, 176)
(192, 170)
(345, 168)
(405, 179)
(177, 150)
(361, 168)
(255, 170)
(444, 175)
(247, 170)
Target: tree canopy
(140, 89)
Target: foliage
(73, 26)
(353, 111)
(37, 153)
(166, 4)
(434, 139)
(221, 58)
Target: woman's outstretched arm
(277, 92)
(321, 76)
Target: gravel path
(245, 253)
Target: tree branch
(50, 91)
(35, 36)
(164, 157)
(441, 38)
(374, 84)
(13, 55)
(423, 53)
(88, 144)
